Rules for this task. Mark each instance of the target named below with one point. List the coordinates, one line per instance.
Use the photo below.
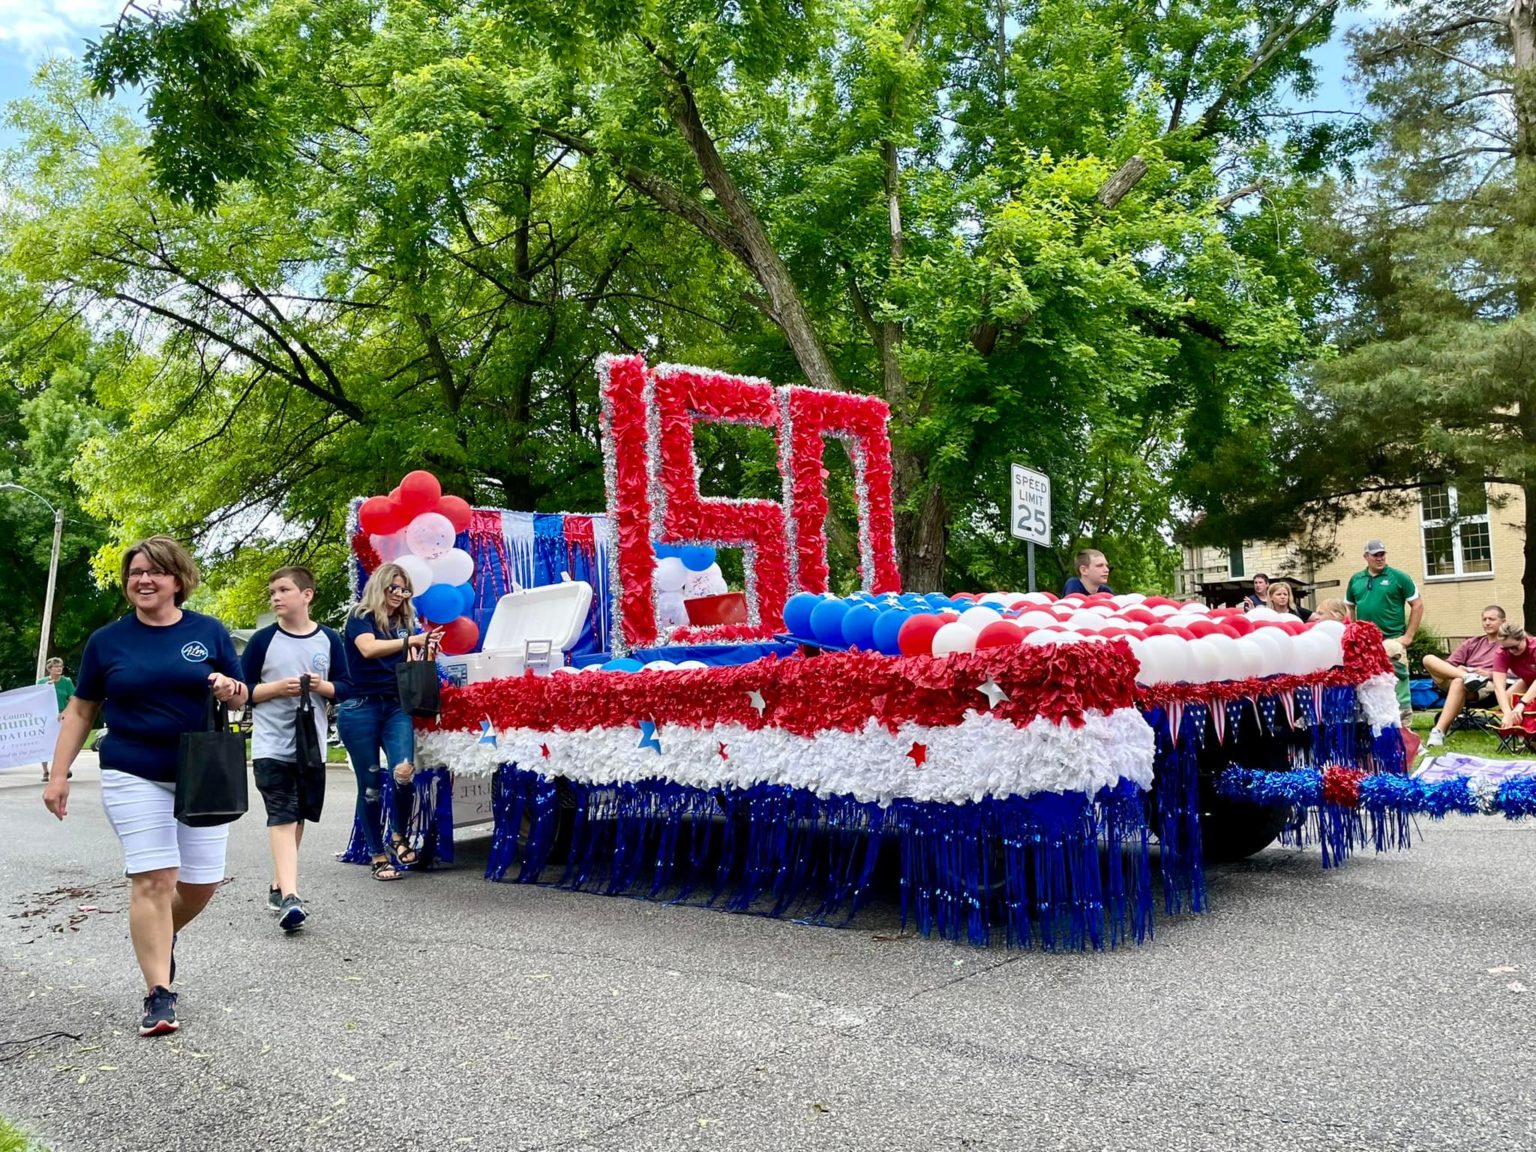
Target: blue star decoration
(487, 733)
(648, 737)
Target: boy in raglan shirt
(275, 659)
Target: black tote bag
(306, 741)
(420, 693)
(210, 773)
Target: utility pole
(53, 575)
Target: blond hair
(375, 601)
(1334, 609)
(168, 555)
(1290, 595)
(1511, 632)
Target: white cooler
(530, 630)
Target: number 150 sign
(1030, 515)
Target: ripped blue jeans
(366, 724)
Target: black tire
(1232, 830)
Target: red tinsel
(806, 695)
(817, 413)
(363, 549)
(1342, 786)
(629, 500)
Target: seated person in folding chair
(1467, 675)
(1514, 675)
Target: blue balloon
(623, 664)
(827, 621)
(797, 613)
(937, 600)
(913, 599)
(467, 595)
(696, 557)
(440, 603)
(662, 551)
(888, 627)
(859, 626)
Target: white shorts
(142, 813)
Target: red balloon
(460, 636)
(1026, 630)
(1294, 627)
(456, 508)
(1159, 630)
(916, 635)
(1224, 613)
(1240, 624)
(1203, 627)
(1112, 631)
(1226, 629)
(1184, 633)
(1050, 597)
(380, 516)
(419, 492)
(998, 634)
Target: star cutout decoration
(723, 755)
(994, 694)
(544, 751)
(919, 754)
(648, 738)
(757, 701)
(487, 733)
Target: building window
(1455, 527)
(1235, 563)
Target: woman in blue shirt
(149, 675)
(379, 631)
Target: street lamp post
(53, 574)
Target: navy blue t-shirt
(152, 683)
(1074, 584)
(376, 676)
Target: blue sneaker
(293, 915)
(159, 1012)
(274, 900)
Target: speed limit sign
(1030, 514)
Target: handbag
(416, 677)
(306, 741)
(210, 772)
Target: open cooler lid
(553, 612)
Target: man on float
(1092, 574)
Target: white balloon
(1273, 646)
(566, 669)
(1164, 660)
(954, 638)
(1180, 621)
(1131, 625)
(1035, 619)
(1195, 607)
(690, 665)
(417, 570)
(1043, 637)
(1035, 598)
(1333, 652)
(660, 666)
(389, 547)
(1334, 628)
(710, 582)
(429, 535)
(669, 608)
(1250, 657)
(1204, 663)
(1164, 611)
(1228, 662)
(1085, 621)
(1129, 599)
(978, 618)
(1263, 613)
(670, 574)
(453, 567)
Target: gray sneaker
(274, 900)
(293, 915)
(1474, 683)
(1436, 739)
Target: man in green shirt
(63, 689)
(1379, 595)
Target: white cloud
(36, 28)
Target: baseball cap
(1375, 546)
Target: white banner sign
(29, 725)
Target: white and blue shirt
(275, 654)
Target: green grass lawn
(13, 1139)
(1467, 743)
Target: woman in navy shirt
(378, 632)
(149, 675)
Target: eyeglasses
(398, 590)
(140, 573)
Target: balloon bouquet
(414, 527)
(682, 573)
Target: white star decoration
(757, 700)
(992, 692)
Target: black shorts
(291, 793)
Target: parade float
(1023, 764)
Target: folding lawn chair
(1475, 720)
(1516, 739)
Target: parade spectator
(1283, 600)
(1332, 609)
(1379, 594)
(1467, 674)
(63, 689)
(1260, 593)
(282, 662)
(1092, 574)
(378, 632)
(150, 674)
(1514, 675)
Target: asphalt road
(1380, 1006)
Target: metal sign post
(1029, 516)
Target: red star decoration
(723, 756)
(919, 754)
(544, 751)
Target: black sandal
(384, 870)
(404, 854)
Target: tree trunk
(1522, 29)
